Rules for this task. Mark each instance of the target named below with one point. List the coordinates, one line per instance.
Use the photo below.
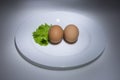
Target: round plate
(89, 46)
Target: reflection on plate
(90, 44)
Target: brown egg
(55, 34)
(71, 33)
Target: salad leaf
(41, 34)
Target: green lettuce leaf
(41, 34)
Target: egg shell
(55, 34)
(71, 33)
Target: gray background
(14, 67)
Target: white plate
(90, 44)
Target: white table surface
(14, 67)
